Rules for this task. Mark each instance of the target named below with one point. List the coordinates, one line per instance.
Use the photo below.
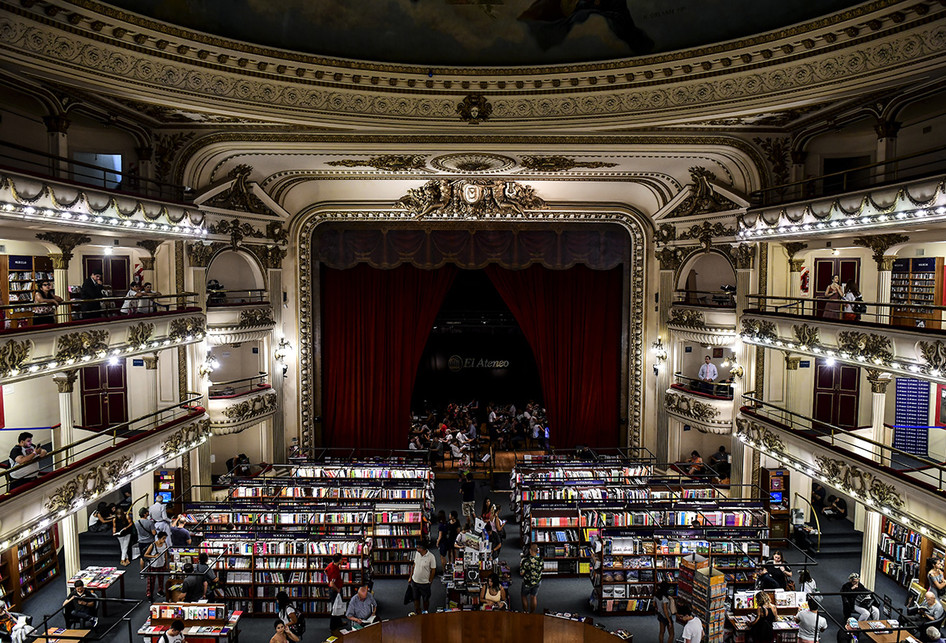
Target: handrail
(246, 386)
(705, 298)
(223, 297)
(242, 379)
(816, 429)
(129, 182)
(813, 513)
(722, 390)
(914, 315)
(808, 188)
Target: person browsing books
(174, 633)
(362, 607)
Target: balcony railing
(916, 316)
(237, 388)
(40, 316)
(236, 297)
(706, 298)
(901, 464)
(713, 390)
(43, 164)
(59, 460)
(903, 168)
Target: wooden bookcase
(904, 554)
(27, 567)
(915, 285)
(776, 485)
(18, 277)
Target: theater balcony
(88, 332)
(90, 464)
(796, 326)
(238, 316)
(236, 405)
(902, 194)
(708, 318)
(706, 405)
(902, 485)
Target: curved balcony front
(236, 405)
(238, 316)
(707, 325)
(706, 406)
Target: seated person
(362, 606)
(81, 604)
(719, 457)
(928, 612)
(696, 464)
(836, 509)
(817, 496)
(204, 569)
(493, 595)
(766, 581)
(858, 601)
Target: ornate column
(794, 268)
(669, 260)
(744, 461)
(147, 263)
(58, 144)
(145, 165)
(69, 526)
(152, 389)
(878, 386)
(879, 244)
(66, 242)
(886, 149)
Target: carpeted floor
(558, 594)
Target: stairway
(98, 548)
(838, 538)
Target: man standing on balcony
(708, 374)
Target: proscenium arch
(633, 310)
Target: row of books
(202, 612)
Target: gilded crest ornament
(201, 253)
(861, 483)
(760, 329)
(139, 334)
(186, 435)
(474, 109)
(252, 317)
(269, 256)
(559, 163)
(759, 435)
(793, 248)
(807, 336)
(742, 255)
(13, 354)
(470, 199)
(686, 317)
(705, 232)
(239, 196)
(89, 484)
(387, 162)
(934, 354)
(875, 348)
(666, 232)
(670, 258)
(252, 407)
(878, 244)
(65, 241)
(181, 329)
(691, 408)
(238, 230)
(75, 346)
(276, 231)
(702, 197)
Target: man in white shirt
(130, 307)
(708, 371)
(693, 630)
(425, 568)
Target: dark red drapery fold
(375, 324)
(572, 320)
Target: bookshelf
(26, 568)
(902, 553)
(625, 581)
(915, 285)
(709, 602)
(395, 533)
(201, 620)
(555, 529)
(776, 485)
(18, 277)
(257, 569)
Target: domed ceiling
(483, 32)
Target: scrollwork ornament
(474, 109)
(705, 232)
(75, 346)
(185, 436)
(759, 435)
(470, 199)
(181, 329)
(742, 255)
(875, 348)
(690, 407)
(934, 354)
(760, 329)
(89, 484)
(860, 483)
(250, 408)
(670, 258)
(253, 317)
(139, 334)
(807, 336)
(666, 233)
(200, 253)
(687, 318)
(13, 354)
(702, 198)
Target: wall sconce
(660, 353)
(735, 370)
(282, 349)
(209, 366)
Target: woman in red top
(333, 576)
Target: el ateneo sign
(457, 363)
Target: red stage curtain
(375, 324)
(572, 320)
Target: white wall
(235, 271)
(237, 362)
(28, 404)
(224, 447)
(711, 269)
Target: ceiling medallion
(473, 163)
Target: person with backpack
(146, 531)
(289, 615)
(174, 633)
(156, 562)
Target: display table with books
(100, 579)
(203, 622)
(882, 632)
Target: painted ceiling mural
(482, 32)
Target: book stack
(709, 602)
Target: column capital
(670, 258)
(66, 380)
(791, 363)
(796, 265)
(793, 248)
(878, 381)
(60, 262)
(151, 245)
(66, 242)
(886, 263)
(798, 156)
(56, 123)
(147, 263)
(151, 361)
(879, 244)
(887, 129)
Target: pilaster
(57, 126)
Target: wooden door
(104, 396)
(836, 391)
(116, 271)
(848, 268)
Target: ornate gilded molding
(666, 233)
(933, 353)
(253, 317)
(879, 244)
(686, 318)
(796, 265)
(89, 484)
(705, 233)
(760, 329)
(695, 409)
(199, 253)
(759, 435)
(878, 380)
(65, 241)
(702, 197)
(65, 381)
(474, 109)
(238, 231)
(189, 326)
(387, 162)
(742, 255)
(876, 348)
(862, 484)
(270, 257)
(86, 343)
(59, 261)
(670, 258)
(13, 354)
(793, 248)
(239, 195)
(151, 245)
(140, 333)
(187, 435)
(807, 336)
(791, 363)
(777, 153)
(469, 199)
(559, 163)
(151, 361)
(251, 407)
